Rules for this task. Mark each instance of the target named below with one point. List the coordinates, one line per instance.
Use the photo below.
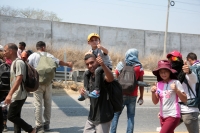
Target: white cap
(1, 47)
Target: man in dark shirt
(101, 111)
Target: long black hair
(177, 65)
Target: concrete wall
(60, 34)
(28, 30)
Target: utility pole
(172, 3)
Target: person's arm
(62, 63)
(155, 98)
(177, 87)
(182, 96)
(105, 51)
(190, 76)
(13, 89)
(141, 89)
(108, 73)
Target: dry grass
(77, 55)
(150, 62)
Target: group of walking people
(17, 95)
(173, 76)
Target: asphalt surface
(69, 115)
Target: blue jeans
(129, 102)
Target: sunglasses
(174, 58)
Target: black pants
(14, 115)
(98, 72)
(3, 94)
(1, 120)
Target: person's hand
(159, 115)
(154, 88)
(89, 52)
(99, 60)
(186, 68)
(173, 86)
(70, 64)
(8, 99)
(99, 45)
(82, 91)
(140, 100)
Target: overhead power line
(188, 3)
(186, 11)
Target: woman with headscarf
(131, 59)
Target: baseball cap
(174, 53)
(91, 35)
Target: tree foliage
(29, 13)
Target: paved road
(69, 116)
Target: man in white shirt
(44, 91)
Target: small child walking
(169, 91)
(97, 49)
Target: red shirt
(138, 73)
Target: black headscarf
(177, 65)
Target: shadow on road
(69, 106)
(68, 130)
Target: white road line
(87, 107)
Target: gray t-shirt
(20, 93)
(105, 57)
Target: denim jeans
(130, 103)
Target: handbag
(192, 102)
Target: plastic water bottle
(3, 104)
(140, 102)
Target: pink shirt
(169, 105)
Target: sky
(184, 16)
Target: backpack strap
(189, 88)
(45, 53)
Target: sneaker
(46, 127)
(39, 129)
(5, 128)
(94, 94)
(81, 98)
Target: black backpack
(31, 83)
(4, 77)
(115, 95)
(127, 79)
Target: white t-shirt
(34, 59)
(169, 105)
(192, 80)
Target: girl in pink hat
(168, 90)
